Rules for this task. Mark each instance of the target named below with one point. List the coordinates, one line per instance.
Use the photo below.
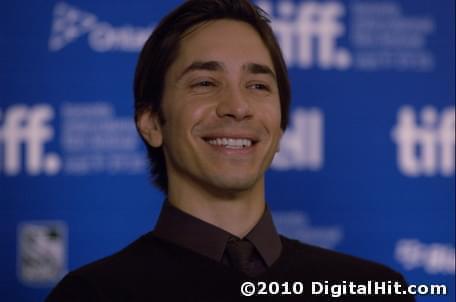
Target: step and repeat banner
(366, 166)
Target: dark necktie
(243, 257)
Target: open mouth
(230, 143)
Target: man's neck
(236, 213)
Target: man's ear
(150, 128)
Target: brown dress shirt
(187, 231)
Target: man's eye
(203, 84)
(259, 86)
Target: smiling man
(211, 100)
(219, 124)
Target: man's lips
(230, 142)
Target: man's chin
(234, 186)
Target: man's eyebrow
(202, 65)
(256, 68)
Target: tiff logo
(302, 144)
(26, 129)
(425, 148)
(308, 33)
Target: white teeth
(232, 143)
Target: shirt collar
(206, 239)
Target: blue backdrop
(366, 166)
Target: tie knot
(240, 253)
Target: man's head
(211, 69)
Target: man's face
(221, 109)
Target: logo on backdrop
(425, 141)
(42, 251)
(92, 139)
(365, 36)
(296, 224)
(96, 140)
(308, 33)
(302, 144)
(24, 133)
(434, 258)
(70, 23)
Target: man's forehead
(222, 45)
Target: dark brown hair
(161, 49)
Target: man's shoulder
(142, 260)
(142, 249)
(322, 262)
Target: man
(211, 101)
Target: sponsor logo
(26, 130)
(425, 148)
(302, 144)
(42, 250)
(297, 225)
(434, 258)
(70, 23)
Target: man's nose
(234, 103)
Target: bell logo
(426, 148)
(26, 129)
